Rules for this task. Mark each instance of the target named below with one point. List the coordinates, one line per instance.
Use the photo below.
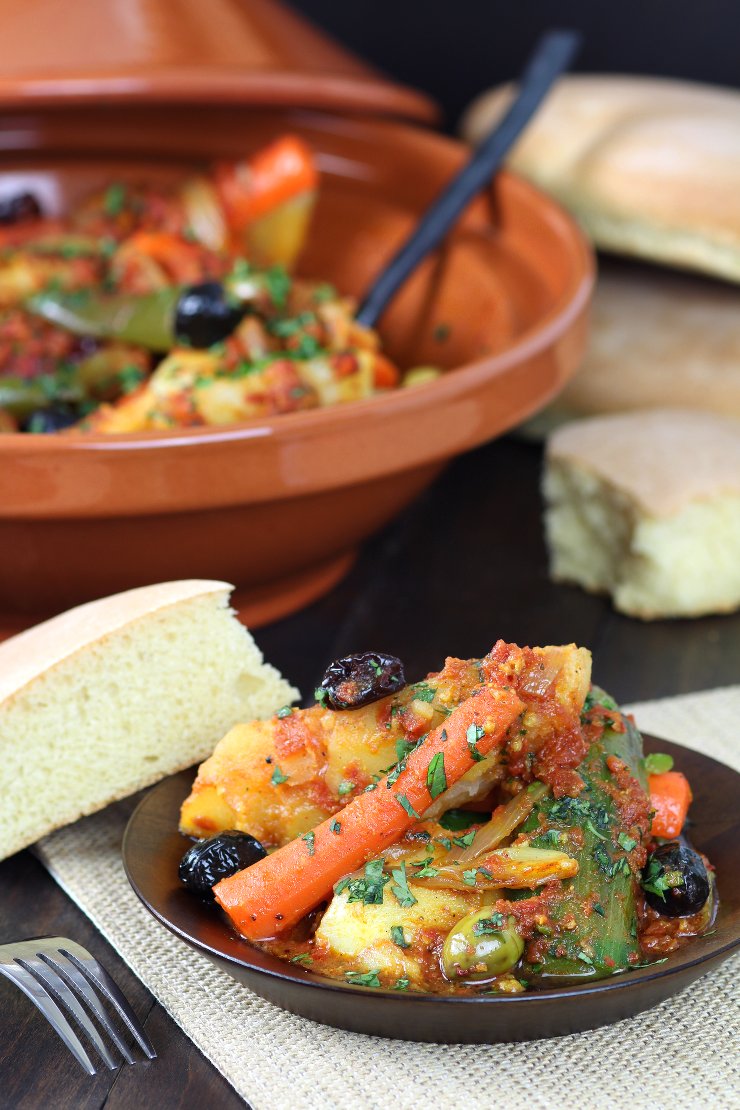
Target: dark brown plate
(152, 848)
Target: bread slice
(114, 695)
(656, 337)
(646, 506)
(649, 166)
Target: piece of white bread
(649, 166)
(657, 337)
(646, 506)
(114, 695)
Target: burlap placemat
(682, 1054)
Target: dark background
(455, 48)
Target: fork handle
(552, 55)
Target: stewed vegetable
(675, 880)
(481, 946)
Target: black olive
(675, 880)
(207, 862)
(20, 206)
(52, 419)
(204, 315)
(360, 679)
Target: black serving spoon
(552, 56)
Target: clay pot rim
(313, 423)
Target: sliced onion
(204, 213)
(503, 823)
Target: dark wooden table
(465, 566)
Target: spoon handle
(551, 57)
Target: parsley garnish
(406, 804)
(336, 827)
(278, 776)
(548, 839)
(425, 871)
(444, 841)
(626, 842)
(488, 925)
(400, 887)
(401, 984)
(455, 820)
(345, 787)
(422, 692)
(301, 958)
(436, 777)
(397, 936)
(469, 876)
(278, 285)
(114, 199)
(585, 958)
(130, 378)
(321, 696)
(464, 841)
(369, 888)
(285, 711)
(360, 979)
(310, 838)
(473, 735)
(599, 909)
(657, 880)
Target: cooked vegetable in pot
(150, 308)
(488, 828)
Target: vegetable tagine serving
(151, 307)
(494, 827)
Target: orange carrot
(670, 797)
(275, 893)
(386, 375)
(276, 174)
(180, 259)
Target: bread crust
(649, 166)
(31, 654)
(662, 459)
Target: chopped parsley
(278, 776)
(599, 909)
(473, 735)
(422, 692)
(469, 876)
(401, 984)
(285, 711)
(310, 838)
(425, 871)
(301, 958)
(585, 958)
(626, 842)
(321, 696)
(397, 936)
(488, 925)
(656, 880)
(369, 888)
(455, 820)
(548, 839)
(278, 285)
(444, 841)
(436, 777)
(130, 378)
(345, 787)
(336, 827)
(406, 804)
(400, 887)
(363, 979)
(464, 841)
(114, 199)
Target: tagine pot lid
(56, 53)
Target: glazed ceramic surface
(152, 849)
(224, 51)
(278, 506)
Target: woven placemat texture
(678, 1055)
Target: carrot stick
(670, 797)
(275, 893)
(249, 190)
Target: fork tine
(64, 997)
(77, 982)
(44, 1002)
(98, 977)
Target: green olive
(481, 946)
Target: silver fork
(59, 975)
